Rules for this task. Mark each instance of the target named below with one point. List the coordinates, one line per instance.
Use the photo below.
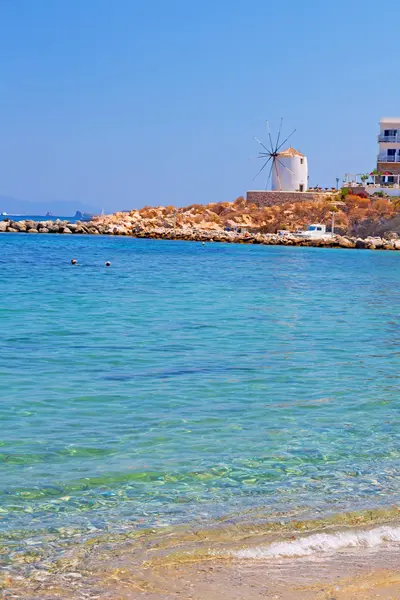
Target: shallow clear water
(188, 382)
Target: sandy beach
(329, 560)
(361, 575)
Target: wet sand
(204, 565)
(345, 577)
(339, 578)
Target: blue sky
(121, 103)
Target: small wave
(324, 542)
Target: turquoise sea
(187, 383)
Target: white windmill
(288, 168)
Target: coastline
(98, 227)
(223, 560)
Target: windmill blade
(284, 142)
(257, 140)
(262, 168)
(262, 155)
(277, 172)
(279, 135)
(270, 138)
(269, 176)
(287, 168)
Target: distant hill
(61, 208)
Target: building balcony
(393, 139)
(388, 158)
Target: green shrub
(344, 192)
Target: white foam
(324, 542)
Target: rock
(19, 226)
(120, 230)
(344, 242)
(377, 242)
(360, 243)
(388, 245)
(33, 231)
(30, 224)
(49, 224)
(3, 226)
(43, 230)
(67, 230)
(391, 235)
(59, 226)
(168, 223)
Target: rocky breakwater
(128, 226)
(28, 226)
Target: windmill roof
(290, 152)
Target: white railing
(389, 158)
(389, 138)
(384, 184)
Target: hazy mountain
(62, 208)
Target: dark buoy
(108, 264)
(73, 262)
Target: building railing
(389, 138)
(352, 180)
(389, 158)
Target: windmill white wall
(293, 178)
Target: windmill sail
(271, 155)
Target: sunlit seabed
(186, 384)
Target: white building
(387, 177)
(389, 146)
(290, 171)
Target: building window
(391, 151)
(301, 187)
(301, 161)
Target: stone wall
(271, 198)
(393, 168)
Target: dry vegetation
(354, 215)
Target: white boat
(315, 231)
